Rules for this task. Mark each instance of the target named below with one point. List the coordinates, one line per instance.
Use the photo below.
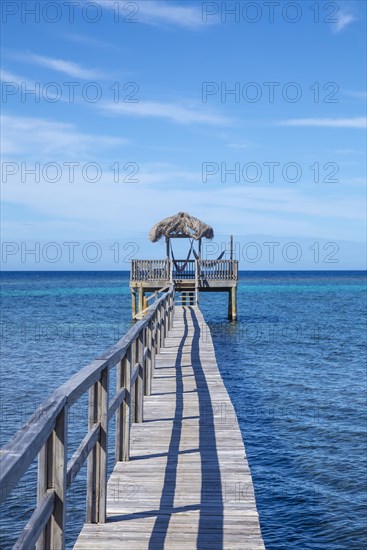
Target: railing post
(52, 464)
(164, 308)
(133, 360)
(158, 330)
(164, 313)
(153, 345)
(148, 361)
(97, 460)
(139, 384)
(123, 413)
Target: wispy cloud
(235, 209)
(357, 94)
(154, 12)
(69, 68)
(37, 137)
(344, 19)
(170, 111)
(238, 145)
(356, 122)
(89, 41)
(19, 81)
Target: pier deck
(187, 484)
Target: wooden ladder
(186, 297)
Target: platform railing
(167, 270)
(218, 270)
(46, 432)
(150, 270)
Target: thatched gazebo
(181, 226)
(190, 276)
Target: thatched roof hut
(182, 225)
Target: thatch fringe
(181, 225)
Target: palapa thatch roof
(181, 225)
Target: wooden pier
(187, 484)
(181, 479)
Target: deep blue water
(294, 365)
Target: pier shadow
(210, 525)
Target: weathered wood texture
(187, 485)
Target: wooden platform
(188, 484)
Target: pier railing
(46, 432)
(218, 270)
(150, 270)
(166, 270)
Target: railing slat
(37, 522)
(81, 454)
(116, 402)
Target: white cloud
(238, 209)
(20, 85)
(357, 94)
(344, 19)
(170, 111)
(356, 122)
(237, 145)
(155, 12)
(66, 67)
(177, 113)
(183, 16)
(27, 137)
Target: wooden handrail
(46, 433)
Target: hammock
(181, 268)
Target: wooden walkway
(187, 485)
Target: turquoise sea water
(294, 365)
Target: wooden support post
(230, 304)
(234, 303)
(141, 299)
(52, 464)
(133, 303)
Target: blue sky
(132, 119)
